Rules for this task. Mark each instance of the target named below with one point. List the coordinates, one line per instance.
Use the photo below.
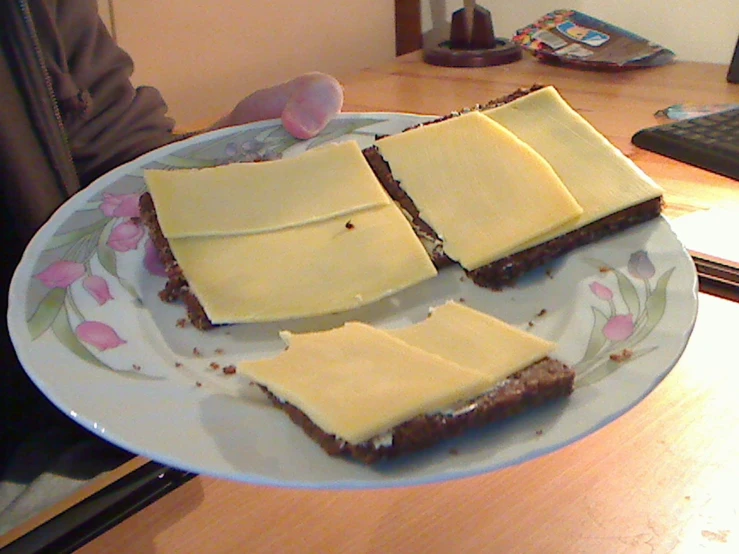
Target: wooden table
(659, 479)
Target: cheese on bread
(326, 182)
(599, 176)
(482, 189)
(357, 381)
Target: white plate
(110, 354)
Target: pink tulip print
(152, 263)
(601, 291)
(61, 274)
(640, 265)
(619, 328)
(58, 308)
(98, 334)
(120, 205)
(624, 315)
(125, 236)
(98, 288)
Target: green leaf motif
(597, 338)
(46, 312)
(277, 139)
(72, 237)
(177, 162)
(107, 258)
(606, 367)
(338, 129)
(65, 335)
(599, 372)
(132, 291)
(106, 255)
(628, 292)
(656, 305)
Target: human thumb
(313, 102)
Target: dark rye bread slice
(537, 384)
(506, 271)
(176, 287)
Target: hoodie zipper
(58, 145)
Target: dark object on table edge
(710, 141)
(717, 276)
(472, 43)
(733, 74)
(105, 509)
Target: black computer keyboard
(708, 141)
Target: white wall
(205, 56)
(696, 30)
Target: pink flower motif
(640, 265)
(98, 288)
(601, 291)
(152, 263)
(120, 205)
(125, 236)
(619, 327)
(99, 335)
(61, 274)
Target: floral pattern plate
(92, 333)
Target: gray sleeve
(108, 120)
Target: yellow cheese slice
(600, 177)
(357, 382)
(483, 190)
(476, 340)
(322, 183)
(324, 267)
